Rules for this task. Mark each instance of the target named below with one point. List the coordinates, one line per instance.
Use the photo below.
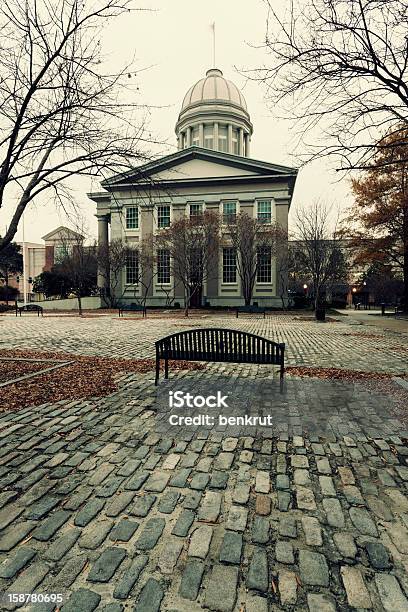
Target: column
(230, 138)
(248, 142)
(188, 135)
(215, 136)
(241, 141)
(201, 135)
(103, 241)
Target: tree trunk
(186, 302)
(79, 305)
(6, 278)
(405, 255)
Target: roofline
(196, 152)
(211, 179)
(58, 229)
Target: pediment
(196, 163)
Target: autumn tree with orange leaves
(379, 215)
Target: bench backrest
(30, 307)
(216, 344)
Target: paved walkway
(340, 344)
(99, 504)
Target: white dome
(214, 116)
(214, 87)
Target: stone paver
(311, 515)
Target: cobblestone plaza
(100, 504)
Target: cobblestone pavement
(99, 505)
(338, 344)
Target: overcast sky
(175, 39)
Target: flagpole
(213, 29)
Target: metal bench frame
(219, 345)
(30, 308)
(132, 308)
(250, 310)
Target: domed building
(214, 116)
(211, 171)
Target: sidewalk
(374, 318)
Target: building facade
(40, 258)
(211, 171)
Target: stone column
(103, 241)
(248, 142)
(241, 141)
(201, 135)
(230, 138)
(188, 135)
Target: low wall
(88, 303)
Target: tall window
(264, 267)
(61, 252)
(163, 267)
(209, 136)
(132, 268)
(229, 212)
(223, 138)
(235, 141)
(132, 217)
(163, 216)
(195, 137)
(264, 211)
(229, 265)
(196, 209)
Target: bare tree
(192, 244)
(319, 253)
(253, 242)
(146, 269)
(77, 262)
(112, 260)
(61, 114)
(340, 65)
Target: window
(132, 217)
(229, 212)
(132, 268)
(196, 209)
(163, 216)
(264, 267)
(61, 252)
(235, 142)
(223, 138)
(229, 265)
(264, 211)
(209, 136)
(163, 267)
(195, 137)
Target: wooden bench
(220, 345)
(132, 308)
(29, 308)
(250, 310)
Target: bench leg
(156, 380)
(166, 368)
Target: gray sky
(175, 39)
